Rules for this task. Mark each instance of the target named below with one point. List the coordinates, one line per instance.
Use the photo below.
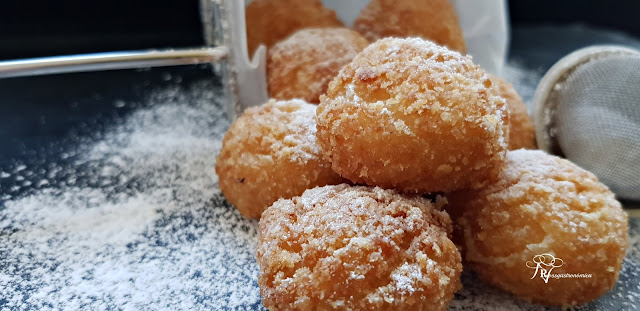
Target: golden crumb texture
(357, 248)
(270, 152)
(434, 20)
(270, 21)
(415, 116)
(543, 205)
(522, 133)
(302, 65)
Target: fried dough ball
(270, 152)
(270, 21)
(357, 248)
(522, 133)
(434, 20)
(302, 65)
(543, 208)
(412, 115)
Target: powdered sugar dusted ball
(412, 115)
(357, 248)
(270, 152)
(543, 213)
(433, 20)
(269, 21)
(302, 65)
(522, 133)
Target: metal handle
(110, 61)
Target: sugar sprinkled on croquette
(357, 248)
(270, 152)
(411, 115)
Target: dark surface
(41, 117)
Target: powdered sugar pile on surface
(135, 220)
(144, 225)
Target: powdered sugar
(142, 227)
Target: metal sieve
(587, 109)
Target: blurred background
(45, 28)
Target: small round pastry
(547, 232)
(522, 133)
(270, 21)
(434, 20)
(270, 152)
(302, 65)
(415, 116)
(357, 248)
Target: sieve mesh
(596, 121)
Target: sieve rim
(544, 100)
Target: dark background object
(47, 28)
(621, 15)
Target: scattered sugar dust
(138, 223)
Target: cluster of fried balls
(414, 162)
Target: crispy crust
(542, 204)
(270, 152)
(302, 65)
(433, 20)
(412, 115)
(357, 248)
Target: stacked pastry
(375, 198)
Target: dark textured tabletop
(109, 199)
